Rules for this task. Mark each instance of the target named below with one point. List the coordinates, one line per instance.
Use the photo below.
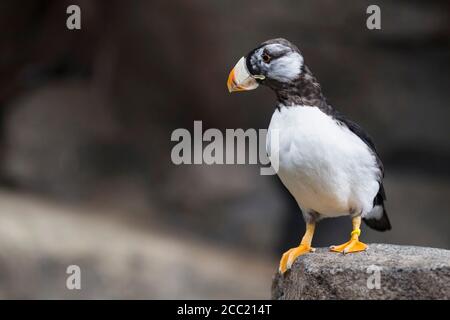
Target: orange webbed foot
(291, 255)
(354, 245)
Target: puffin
(327, 162)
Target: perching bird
(327, 162)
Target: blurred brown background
(86, 118)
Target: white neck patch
(286, 68)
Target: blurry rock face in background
(86, 116)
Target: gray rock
(405, 272)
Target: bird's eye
(266, 58)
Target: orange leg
(354, 245)
(289, 256)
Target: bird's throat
(304, 91)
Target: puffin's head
(276, 63)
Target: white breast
(324, 165)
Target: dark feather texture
(383, 223)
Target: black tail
(381, 224)
(378, 219)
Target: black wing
(380, 223)
(364, 136)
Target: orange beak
(240, 79)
